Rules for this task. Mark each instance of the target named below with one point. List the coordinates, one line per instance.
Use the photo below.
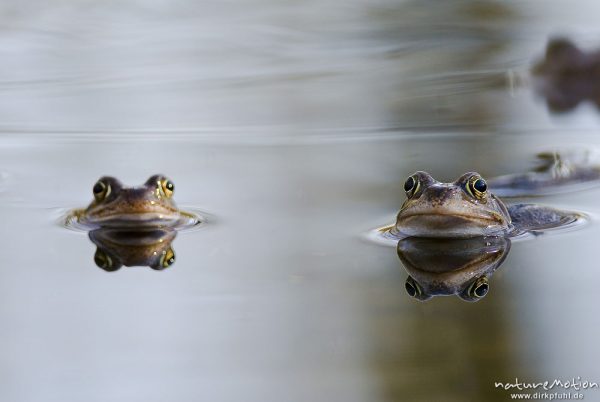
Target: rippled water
(293, 127)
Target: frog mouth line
(489, 218)
(468, 267)
(136, 218)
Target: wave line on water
(192, 219)
(285, 135)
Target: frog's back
(537, 218)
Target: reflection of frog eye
(167, 187)
(415, 290)
(478, 289)
(168, 258)
(412, 287)
(477, 187)
(104, 261)
(411, 185)
(101, 190)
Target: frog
(117, 206)
(149, 247)
(467, 208)
(554, 173)
(451, 237)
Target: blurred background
(293, 125)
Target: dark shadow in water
(446, 267)
(453, 58)
(450, 68)
(567, 76)
(444, 349)
(117, 247)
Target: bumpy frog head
(149, 205)
(464, 208)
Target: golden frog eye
(411, 186)
(167, 187)
(101, 190)
(478, 288)
(168, 258)
(477, 187)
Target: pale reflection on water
(294, 125)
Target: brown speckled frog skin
(149, 205)
(466, 208)
(434, 209)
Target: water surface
(294, 126)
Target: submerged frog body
(149, 205)
(466, 208)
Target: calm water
(294, 126)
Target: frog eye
(411, 186)
(104, 261)
(478, 289)
(477, 187)
(167, 187)
(101, 190)
(168, 258)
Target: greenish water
(293, 127)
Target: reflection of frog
(567, 76)
(150, 205)
(466, 208)
(459, 267)
(117, 247)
